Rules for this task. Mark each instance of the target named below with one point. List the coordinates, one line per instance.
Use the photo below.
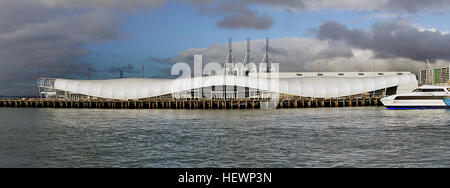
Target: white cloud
(422, 28)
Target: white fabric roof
(318, 87)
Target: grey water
(293, 138)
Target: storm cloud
(336, 48)
(129, 68)
(237, 14)
(417, 5)
(129, 5)
(246, 19)
(409, 6)
(398, 38)
(33, 34)
(293, 54)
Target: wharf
(162, 103)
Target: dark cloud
(128, 5)
(414, 6)
(397, 38)
(160, 60)
(128, 68)
(336, 31)
(335, 50)
(32, 35)
(292, 4)
(293, 54)
(235, 14)
(245, 18)
(410, 6)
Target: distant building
(436, 76)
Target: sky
(63, 38)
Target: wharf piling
(191, 104)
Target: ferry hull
(416, 104)
(415, 107)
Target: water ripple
(328, 137)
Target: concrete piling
(191, 104)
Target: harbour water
(322, 137)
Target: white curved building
(313, 85)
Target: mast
(429, 73)
(248, 57)
(266, 59)
(39, 79)
(230, 51)
(228, 66)
(318, 68)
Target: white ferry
(424, 97)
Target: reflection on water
(329, 137)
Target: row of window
(360, 74)
(430, 90)
(420, 98)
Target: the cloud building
(234, 81)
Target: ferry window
(319, 74)
(299, 74)
(433, 90)
(419, 98)
(399, 73)
(417, 90)
(381, 74)
(361, 74)
(341, 74)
